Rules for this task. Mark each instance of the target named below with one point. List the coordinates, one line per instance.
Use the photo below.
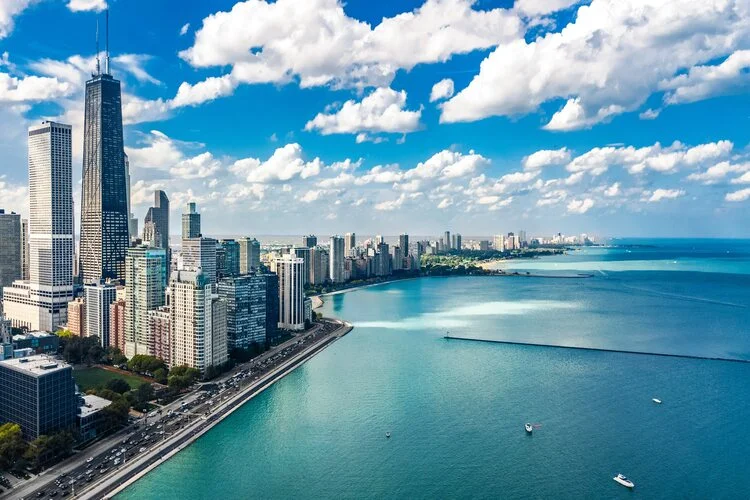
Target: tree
(160, 375)
(142, 363)
(45, 448)
(115, 356)
(143, 395)
(182, 377)
(78, 350)
(118, 385)
(12, 445)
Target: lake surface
(456, 409)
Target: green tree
(143, 394)
(142, 363)
(160, 375)
(115, 356)
(12, 445)
(118, 385)
(45, 449)
(182, 377)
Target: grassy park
(90, 378)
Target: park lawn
(90, 378)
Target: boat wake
(687, 298)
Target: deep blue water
(456, 409)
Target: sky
(610, 117)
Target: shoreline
(318, 299)
(230, 407)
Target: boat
(657, 401)
(529, 428)
(387, 434)
(624, 481)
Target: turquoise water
(456, 409)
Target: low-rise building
(38, 342)
(90, 421)
(38, 393)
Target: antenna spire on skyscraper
(106, 68)
(98, 70)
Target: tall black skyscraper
(104, 204)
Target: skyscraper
(42, 302)
(159, 216)
(304, 254)
(24, 250)
(77, 317)
(200, 253)
(290, 270)
(350, 242)
(99, 296)
(318, 265)
(403, 242)
(336, 254)
(272, 305)
(104, 193)
(191, 222)
(230, 261)
(309, 241)
(117, 324)
(447, 241)
(132, 219)
(145, 268)
(245, 298)
(191, 322)
(249, 255)
(11, 246)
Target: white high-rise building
(499, 243)
(98, 298)
(41, 303)
(191, 306)
(291, 272)
(200, 253)
(145, 271)
(249, 255)
(337, 255)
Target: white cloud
(207, 90)
(8, 10)
(743, 179)
(133, 64)
(542, 7)
(612, 190)
(87, 5)
(519, 177)
(14, 197)
(30, 89)
(198, 167)
(184, 29)
(159, 152)
(718, 172)
(607, 62)
(316, 42)
(650, 114)
(442, 90)
(580, 206)
(701, 82)
(447, 165)
(285, 164)
(390, 205)
(382, 111)
(741, 195)
(665, 194)
(546, 157)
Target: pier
(597, 349)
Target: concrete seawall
(596, 349)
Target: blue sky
(612, 117)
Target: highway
(112, 464)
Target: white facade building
(41, 303)
(337, 255)
(291, 292)
(98, 298)
(145, 271)
(191, 303)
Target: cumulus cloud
(382, 111)
(580, 206)
(87, 5)
(665, 194)
(543, 7)
(719, 172)
(286, 163)
(184, 29)
(701, 82)
(442, 90)
(197, 167)
(319, 44)
(741, 195)
(546, 157)
(448, 165)
(134, 64)
(8, 10)
(607, 62)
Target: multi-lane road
(113, 464)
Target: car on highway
(89, 460)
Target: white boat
(387, 434)
(529, 428)
(657, 401)
(624, 481)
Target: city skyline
(412, 148)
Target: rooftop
(37, 365)
(92, 404)
(32, 335)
